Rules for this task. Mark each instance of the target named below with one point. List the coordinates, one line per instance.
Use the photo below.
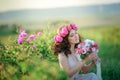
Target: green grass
(43, 64)
(108, 38)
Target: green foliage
(108, 39)
(6, 29)
(23, 62)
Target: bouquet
(85, 48)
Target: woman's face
(73, 37)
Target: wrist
(93, 62)
(84, 61)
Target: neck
(72, 49)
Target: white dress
(77, 76)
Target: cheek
(72, 40)
(78, 37)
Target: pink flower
(69, 27)
(23, 34)
(58, 39)
(20, 40)
(63, 32)
(79, 51)
(28, 41)
(74, 26)
(84, 51)
(82, 43)
(95, 45)
(22, 30)
(39, 33)
(94, 49)
(87, 49)
(79, 46)
(32, 37)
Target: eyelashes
(73, 34)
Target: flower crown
(64, 31)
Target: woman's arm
(63, 61)
(87, 68)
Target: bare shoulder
(62, 56)
(63, 61)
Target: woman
(65, 48)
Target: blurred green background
(42, 64)
(100, 23)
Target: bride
(65, 48)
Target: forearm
(87, 68)
(77, 68)
(90, 66)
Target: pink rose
(79, 46)
(69, 27)
(22, 30)
(79, 51)
(74, 26)
(24, 35)
(39, 33)
(82, 43)
(20, 40)
(95, 45)
(87, 49)
(28, 41)
(84, 51)
(64, 32)
(32, 37)
(58, 39)
(93, 49)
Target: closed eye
(72, 35)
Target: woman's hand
(91, 57)
(97, 59)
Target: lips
(76, 40)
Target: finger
(89, 57)
(95, 58)
(93, 54)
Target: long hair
(64, 46)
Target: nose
(76, 35)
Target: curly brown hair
(64, 46)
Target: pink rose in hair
(69, 27)
(64, 32)
(74, 26)
(58, 39)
